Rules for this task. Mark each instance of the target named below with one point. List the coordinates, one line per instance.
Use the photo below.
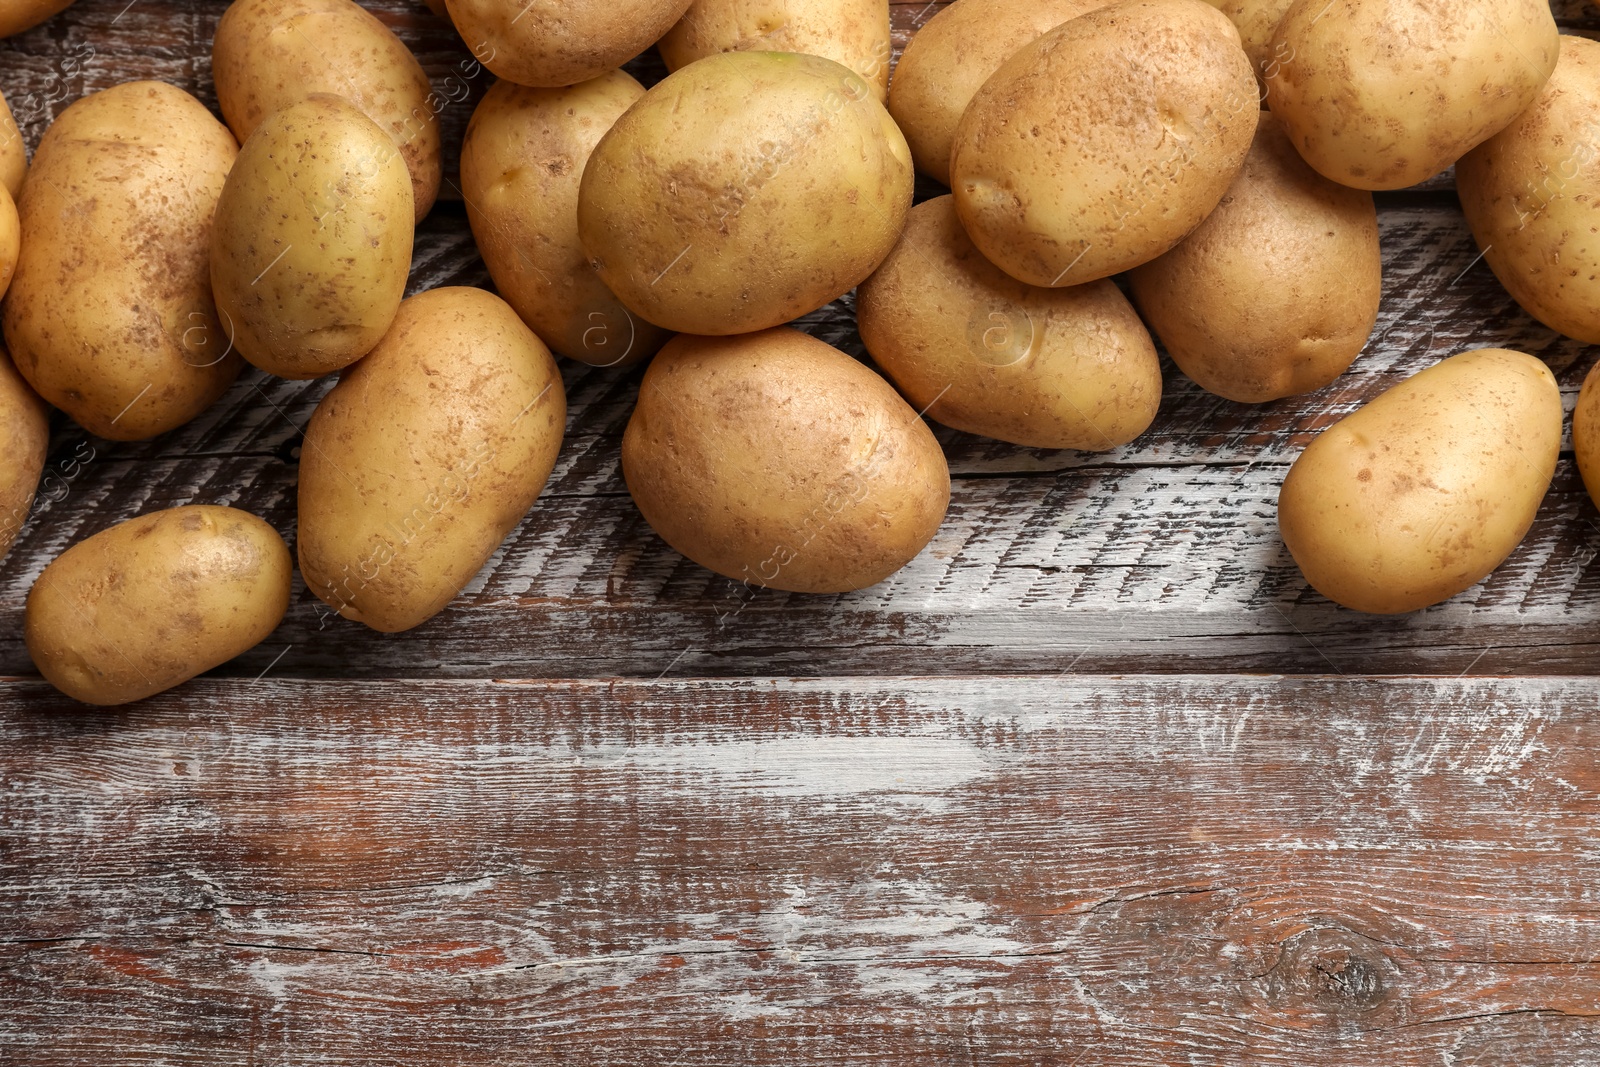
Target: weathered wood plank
(1195, 870)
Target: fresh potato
(10, 240)
(854, 33)
(1100, 145)
(777, 460)
(1382, 94)
(268, 54)
(109, 315)
(1277, 292)
(1586, 433)
(521, 164)
(13, 152)
(425, 456)
(151, 602)
(978, 350)
(312, 243)
(25, 437)
(1257, 21)
(1425, 490)
(1529, 194)
(951, 57)
(19, 15)
(744, 191)
(550, 43)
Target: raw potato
(25, 437)
(1586, 433)
(109, 315)
(19, 15)
(852, 32)
(777, 460)
(425, 456)
(1100, 145)
(1428, 488)
(521, 165)
(1369, 111)
(550, 43)
(154, 601)
(980, 351)
(312, 243)
(744, 191)
(268, 54)
(1257, 21)
(1277, 292)
(13, 152)
(951, 57)
(10, 240)
(1530, 194)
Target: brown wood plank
(1213, 870)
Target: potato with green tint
(1102, 144)
(1423, 492)
(1530, 194)
(975, 349)
(425, 456)
(1277, 292)
(1383, 94)
(951, 57)
(550, 43)
(312, 242)
(110, 315)
(269, 54)
(744, 191)
(854, 33)
(777, 460)
(25, 438)
(19, 15)
(151, 602)
(521, 165)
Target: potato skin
(153, 601)
(109, 315)
(1428, 488)
(1373, 114)
(25, 437)
(854, 33)
(19, 15)
(550, 43)
(1277, 292)
(13, 152)
(777, 460)
(1257, 21)
(10, 240)
(425, 456)
(268, 54)
(1586, 433)
(975, 349)
(1531, 193)
(521, 165)
(951, 57)
(744, 191)
(1100, 145)
(312, 242)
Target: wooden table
(1096, 780)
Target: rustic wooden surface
(605, 809)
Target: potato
(10, 240)
(154, 601)
(978, 350)
(777, 460)
(25, 436)
(312, 243)
(109, 315)
(854, 33)
(19, 15)
(1425, 490)
(1529, 194)
(1100, 145)
(1382, 94)
(13, 152)
(1277, 292)
(550, 43)
(951, 57)
(1257, 21)
(268, 54)
(1586, 433)
(425, 456)
(521, 163)
(744, 191)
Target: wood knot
(1332, 971)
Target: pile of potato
(1218, 156)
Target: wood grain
(1210, 871)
